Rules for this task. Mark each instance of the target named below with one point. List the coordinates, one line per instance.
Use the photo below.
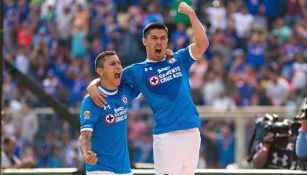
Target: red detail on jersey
(154, 80)
(109, 119)
(172, 60)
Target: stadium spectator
(9, 159)
(214, 12)
(225, 142)
(29, 124)
(277, 88)
(118, 23)
(243, 22)
(299, 73)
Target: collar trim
(106, 91)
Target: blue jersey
(165, 85)
(109, 127)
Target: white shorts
(176, 153)
(104, 173)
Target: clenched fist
(90, 157)
(185, 8)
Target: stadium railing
(240, 115)
(42, 171)
(73, 171)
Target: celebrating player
(103, 138)
(165, 85)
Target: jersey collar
(107, 91)
(152, 61)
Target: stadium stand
(257, 57)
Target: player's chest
(161, 75)
(115, 111)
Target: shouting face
(111, 72)
(156, 44)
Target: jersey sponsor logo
(87, 114)
(172, 60)
(124, 99)
(167, 75)
(164, 69)
(105, 107)
(109, 119)
(154, 80)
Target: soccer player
(103, 138)
(165, 85)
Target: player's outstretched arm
(201, 41)
(95, 94)
(85, 145)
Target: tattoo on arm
(85, 141)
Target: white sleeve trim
(87, 129)
(190, 52)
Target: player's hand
(169, 53)
(96, 95)
(269, 137)
(185, 8)
(90, 157)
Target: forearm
(85, 141)
(201, 40)
(95, 82)
(302, 8)
(260, 159)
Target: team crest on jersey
(172, 60)
(87, 114)
(109, 119)
(124, 99)
(154, 80)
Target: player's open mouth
(117, 75)
(158, 50)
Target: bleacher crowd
(257, 56)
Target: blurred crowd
(257, 56)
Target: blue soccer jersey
(109, 127)
(165, 85)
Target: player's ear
(99, 71)
(144, 41)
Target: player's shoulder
(88, 101)
(123, 89)
(135, 66)
(182, 52)
(140, 64)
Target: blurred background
(256, 63)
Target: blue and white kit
(165, 86)
(109, 127)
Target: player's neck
(149, 59)
(107, 88)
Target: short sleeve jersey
(109, 127)
(165, 85)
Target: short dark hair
(101, 58)
(273, 68)
(152, 26)
(7, 140)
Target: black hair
(7, 140)
(101, 58)
(152, 26)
